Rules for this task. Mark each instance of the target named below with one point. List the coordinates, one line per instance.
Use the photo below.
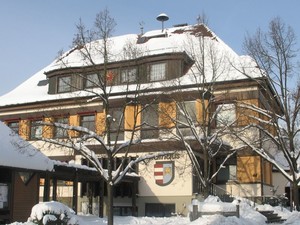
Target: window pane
(14, 126)
(116, 124)
(128, 75)
(36, 129)
(92, 80)
(116, 114)
(186, 111)
(157, 71)
(150, 120)
(159, 210)
(88, 121)
(226, 114)
(60, 132)
(64, 84)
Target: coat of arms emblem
(163, 173)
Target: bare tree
(94, 49)
(194, 123)
(276, 119)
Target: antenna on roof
(162, 18)
(142, 27)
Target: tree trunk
(296, 196)
(206, 190)
(109, 207)
(110, 194)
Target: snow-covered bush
(52, 213)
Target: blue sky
(33, 31)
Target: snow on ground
(248, 215)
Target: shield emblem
(163, 173)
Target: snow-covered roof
(18, 153)
(171, 40)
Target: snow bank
(52, 211)
(248, 215)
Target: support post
(54, 189)
(238, 211)
(46, 196)
(133, 197)
(194, 214)
(75, 193)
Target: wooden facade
(22, 194)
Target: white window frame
(158, 71)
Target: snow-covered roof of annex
(18, 153)
(172, 40)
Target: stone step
(271, 216)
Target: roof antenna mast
(162, 18)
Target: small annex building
(20, 167)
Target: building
(160, 66)
(21, 166)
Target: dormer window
(158, 71)
(64, 84)
(92, 80)
(128, 75)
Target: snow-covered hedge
(52, 213)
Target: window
(159, 210)
(14, 126)
(150, 121)
(128, 75)
(64, 84)
(157, 71)
(58, 131)
(88, 121)
(228, 172)
(92, 80)
(116, 124)
(36, 129)
(186, 111)
(226, 114)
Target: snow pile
(52, 211)
(248, 215)
(212, 204)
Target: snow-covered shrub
(52, 213)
